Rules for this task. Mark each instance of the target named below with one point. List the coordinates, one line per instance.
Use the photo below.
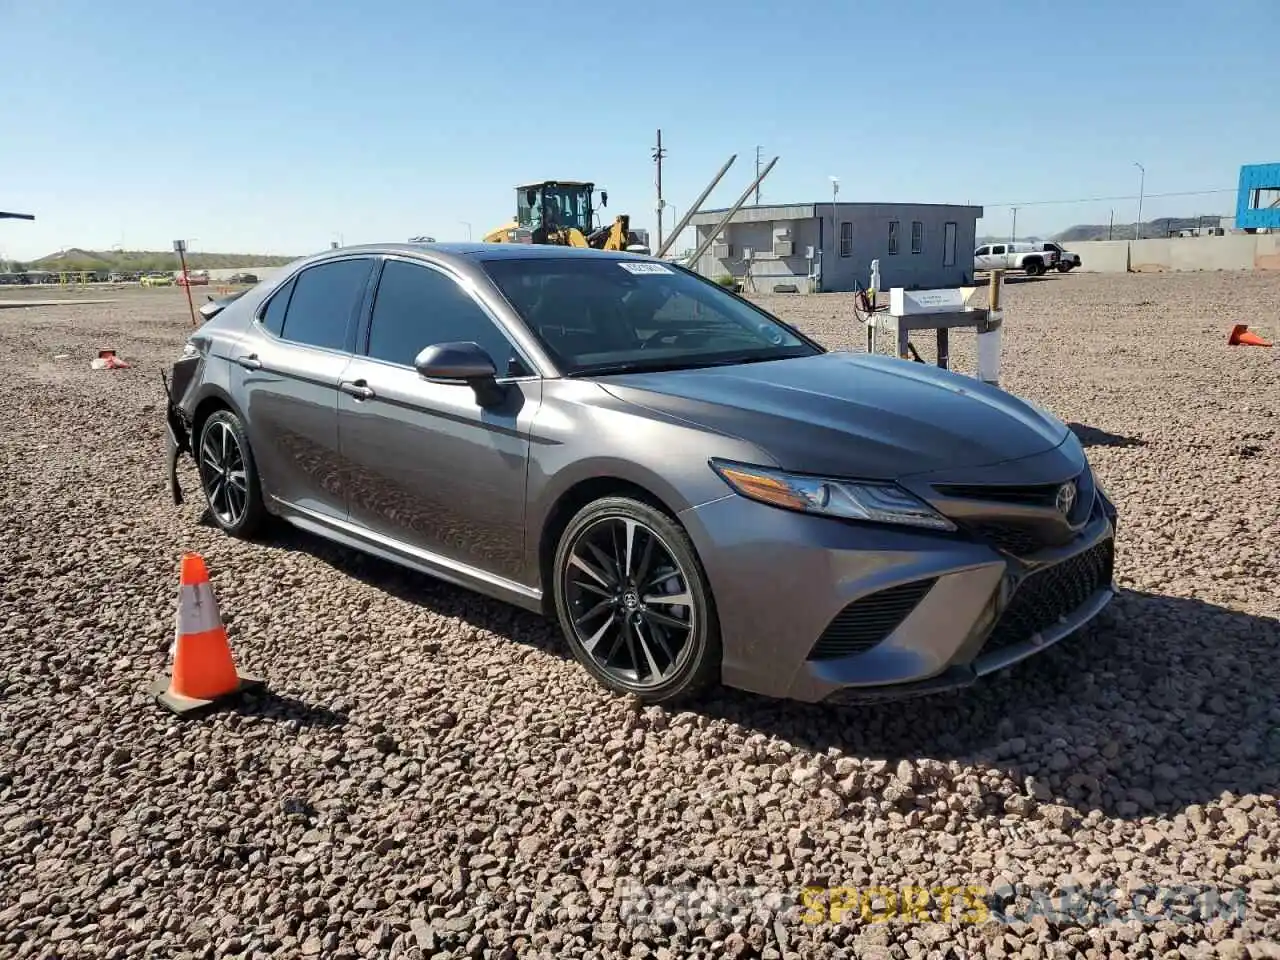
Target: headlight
(851, 499)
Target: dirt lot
(433, 776)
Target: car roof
(487, 251)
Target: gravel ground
(432, 775)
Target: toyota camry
(694, 489)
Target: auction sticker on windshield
(639, 268)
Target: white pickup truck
(1026, 257)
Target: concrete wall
(1180, 254)
(1101, 256)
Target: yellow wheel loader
(560, 213)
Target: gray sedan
(696, 490)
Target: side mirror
(530, 196)
(604, 198)
(462, 362)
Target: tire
(224, 450)
(1034, 268)
(1064, 268)
(617, 637)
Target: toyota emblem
(1066, 498)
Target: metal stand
(941, 323)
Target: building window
(846, 238)
(917, 236)
(1265, 197)
(949, 244)
(893, 237)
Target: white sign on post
(179, 246)
(904, 303)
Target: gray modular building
(920, 246)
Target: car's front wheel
(228, 475)
(634, 602)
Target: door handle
(250, 362)
(359, 389)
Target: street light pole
(468, 226)
(1142, 181)
(1014, 238)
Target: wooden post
(997, 285)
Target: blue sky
(278, 127)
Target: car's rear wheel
(634, 602)
(1035, 268)
(228, 475)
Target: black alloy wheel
(634, 603)
(228, 476)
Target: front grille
(1055, 592)
(868, 620)
(1025, 535)
(1031, 495)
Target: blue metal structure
(1258, 202)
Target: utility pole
(758, 175)
(658, 154)
(1142, 181)
(1014, 237)
(1112, 225)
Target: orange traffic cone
(1240, 336)
(203, 671)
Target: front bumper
(951, 609)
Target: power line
(1132, 196)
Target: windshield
(611, 316)
(568, 207)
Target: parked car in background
(694, 489)
(196, 279)
(157, 280)
(1023, 256)
(243, 278)
(1067, 261)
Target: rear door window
(324, 303)
(273, 316)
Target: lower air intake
(868, 620)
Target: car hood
(851, 415)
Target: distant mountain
(1151, 229)
(75, 258)
(1005, 239)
